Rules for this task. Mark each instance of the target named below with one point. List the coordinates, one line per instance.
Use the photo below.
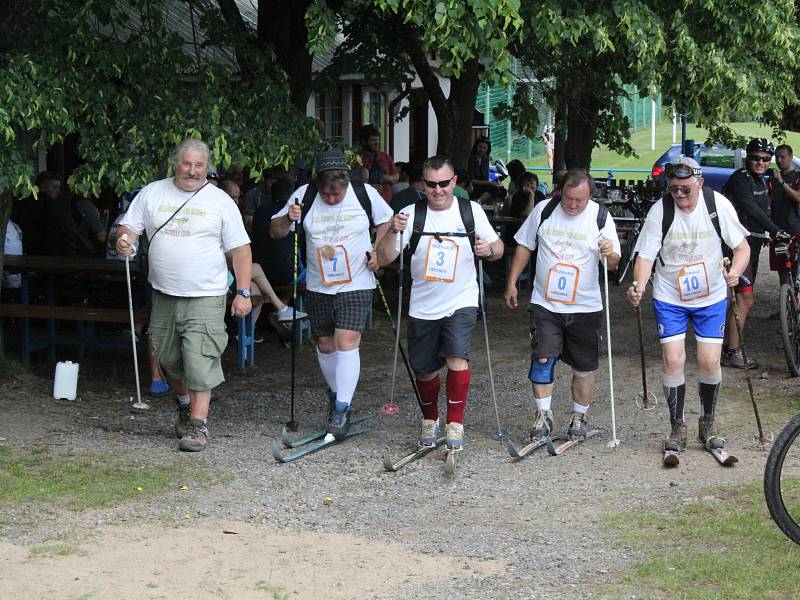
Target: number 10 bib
(562, 283)
(692, 282)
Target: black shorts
(573, 337)
(345, 310)
(431, 342)
(752, 267)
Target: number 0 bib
(692, 282)
(441, 260)
(562, 283)
(336, 270)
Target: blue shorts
(708, 322)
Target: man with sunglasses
(748, 192)
(444, 293)
(690, 284)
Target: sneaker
(158, 389)
(430, 433)
(196, 437)
(339, 424)
(736, 360)
(454, 436)
(184, 420)
(676, 442)
(577, 426)
(287, 314)
(543, 424)
(707, 433)
(258, 338)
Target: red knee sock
(429, 394)
(457, 389)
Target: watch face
(245, 293)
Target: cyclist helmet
(760, 145)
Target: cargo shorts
(189, 337)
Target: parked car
(717, 161)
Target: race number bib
(335, 270)
(692, 282)
(441, 260)
(562, 283)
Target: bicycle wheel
(782, 480)
(626, 258)
(790, 329)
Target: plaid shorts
(345, 310)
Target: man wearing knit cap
(336, 219)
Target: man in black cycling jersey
(748, 190)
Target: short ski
(389, 465)
(319, 444)
(450, 462)
(725, 459)
(571, 442)
(534, 445)
(671, 458)
(316, 435)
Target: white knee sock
(327, 364)
(348, 363)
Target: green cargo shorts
(189, 337)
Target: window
(329, 111)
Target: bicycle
(788, 255)
(630, 213)
(782, 480)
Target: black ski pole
(399, 318)
(646, 396)
(291, 424)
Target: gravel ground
(542, 519)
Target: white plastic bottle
(65, 386)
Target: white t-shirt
(338, 239)
(443, 277)
(187, 257)
(13, 247)
(692, 271)
(567, 263)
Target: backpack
(421, 213)
(668, 216)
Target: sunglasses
(756, 158)
(442, 184)
(679, 190)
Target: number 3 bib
(335, 270)
(692, 282)
(440, 260)
(562, 283)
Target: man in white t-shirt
(190, 225)
(690, 285)
(566, 309)
(444, 293)
(339, 276)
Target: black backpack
(421, 213)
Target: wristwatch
(491, 253)
(245, 293)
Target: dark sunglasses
(756, 158)
(442, 184)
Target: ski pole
(138, 405)
(402, 351)
(646, 396)
(614, 441)
(399, 316)
(291, 424)
(762, 439)
(501, 435)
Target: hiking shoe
(543, 424)
(454, 436)
(339, 424)
(676, 442)
(736, 360)
(430, 433)
(577, 426)
(286, 314)
(196, 437)
(158, 389)
(184, 420)
(707, 433)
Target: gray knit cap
(331, 160)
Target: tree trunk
(455, 126)
(582, 112)
(559, 163)
(6, 204)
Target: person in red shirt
(382, 170)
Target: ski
(390, 465)
(534, 445)
(316, 435)
(671, 458)
(571, 442)
(725, 459)
(312, 447)
(450, 462)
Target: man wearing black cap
(682, 236)
(336, 219)
(748, 192)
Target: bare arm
(386, 246)
(242, 261)
(124, 246)
(741, 257)
(521, 257)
